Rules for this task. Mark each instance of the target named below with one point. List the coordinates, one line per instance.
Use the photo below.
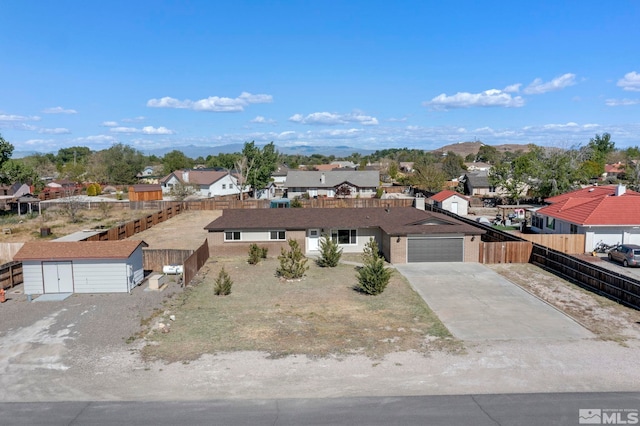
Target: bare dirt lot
(90, 347)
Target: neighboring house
(81, 267)
(150, 174)
(61, 184)
(477, 166)
(477, 184)
(326, 184)
(279, 177)
(613, 170)
(406, 166)
(602, 213)
(145, 192)
(11, 192)
(344, 164)
(324, 167)
(207, 183)
(451, 201)
(403, 234)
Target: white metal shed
(81, 266)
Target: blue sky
(367, 74)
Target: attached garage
(426, 248)
(81, 266)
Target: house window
(574, 229)
(232, 235)
(224, 186)
(277, 235)
(551, 223)
(344, 236)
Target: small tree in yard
(293, 264)
(223, 284)
(256, 254)
(373, 277)
(330, 252)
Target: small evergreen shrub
(293, 264)
(373, 277)
(256, 254)
(330, 252)
(223, 283)
(296, 203)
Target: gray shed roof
(332, 178)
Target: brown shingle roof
(394, 221)
(70, 250)
(146, 187)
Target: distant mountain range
(194, 151)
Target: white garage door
(434, 249)
(58, 277)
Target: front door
(454, 207)
(57, 277)
(312, 240)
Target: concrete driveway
(475, 303)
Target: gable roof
(478, 179)
(332, 178)
(393, 221)
(72, 250)
(195, 176)
(443, 195)
(146, 187)
(595, 206)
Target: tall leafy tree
(453, 165)
(122, 163)
(428, 175)
(264, 161)
(175, 160)
(74, 154)
(6, 150)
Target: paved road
(477, 410)
(475, 303)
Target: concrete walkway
(475, 303)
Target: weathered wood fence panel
(505, 252)
(193, 264)
(10, 274)
(155, 259)
(622, 288)
(565, 243)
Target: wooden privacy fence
(135, 226)
(505, 252)
(193, 264)
(232, 203)
(155, 259)
(565, 243)
(623, 289)
(10, 274)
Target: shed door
(430, 249)
(57, 277)
(454, 207)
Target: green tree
(293, 264)
(6, 150)
(453, 165)
(121, 164)
(428, 176)
(373, 276)
(393, 169)
(73, 155)
(330, 252)
(488, 154)
(223, 283)
(256, 254)
(13, 171)
(598, 149)
(175, 160)
(264, 161)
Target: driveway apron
(476, 303)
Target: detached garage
(81, 266)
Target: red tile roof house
(608, 213)
(451, 201)
(403, 234)
(81, 266)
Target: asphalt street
(477, 410)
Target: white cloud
(109, 123)
(538, 87)
(622, 102)
(488, 98)
(513, 88)
(59, 110)
(96, 139)
(134, 120)
(15, 118)
(261, 120)
(630, 81)
(212, 103)
(333, 119)
(147, 130)
(56, 131)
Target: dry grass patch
(319, 315)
